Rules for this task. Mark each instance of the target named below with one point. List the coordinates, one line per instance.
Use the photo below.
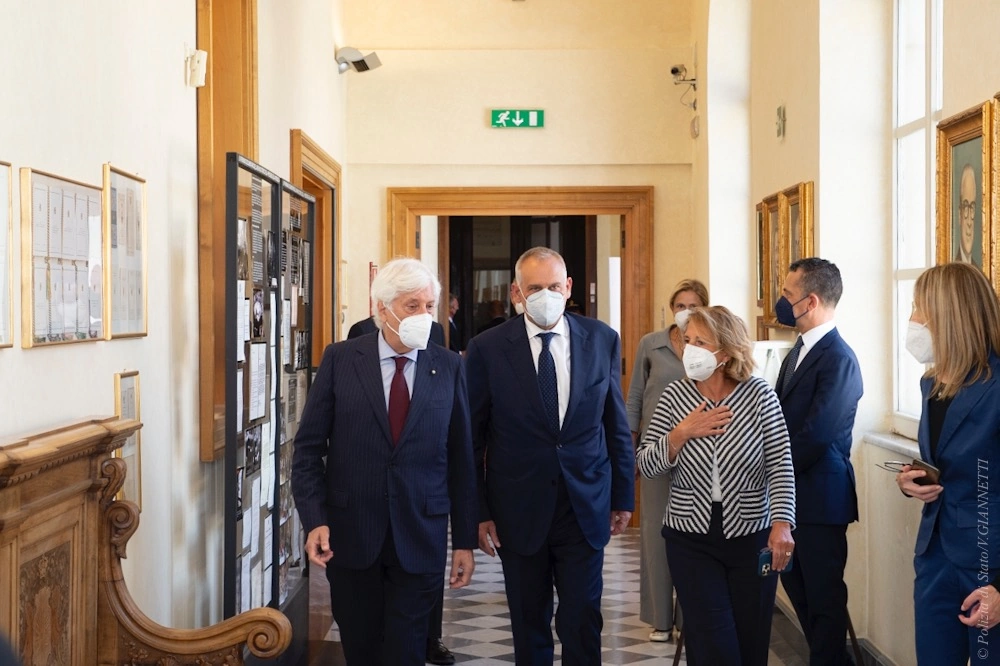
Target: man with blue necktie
(554, 457)
(819, 386)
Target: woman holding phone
(955, 330)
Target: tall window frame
(917, 108)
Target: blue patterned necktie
(790, 363)
(547, 384)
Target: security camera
(679, 71)
(350, 58)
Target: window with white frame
(917, 108)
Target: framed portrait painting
(775, 259)
(964, 189)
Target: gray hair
(398, 277)
(538, 254)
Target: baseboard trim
(869, 652)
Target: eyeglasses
(967, 207)
(894, 466)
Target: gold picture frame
(62, 260)
(964, 189)
(789, 235)
(128, 406)
(6, 255)
(124, 197)
(774, 260)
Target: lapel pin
(434, 372)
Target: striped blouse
(753, 456)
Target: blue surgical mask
(784, 311)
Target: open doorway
(482, 251)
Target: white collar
(385, 351)
(561, 327)
(815, 334)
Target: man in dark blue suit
(389, 413)
(554, 457)
(437, 651)
(819, 386)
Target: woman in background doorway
(657, 363)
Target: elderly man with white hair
(383, 456)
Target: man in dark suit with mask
(554, 457)
(383, 456)
(819, 386)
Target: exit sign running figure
(517, 118)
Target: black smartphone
(764, 567)
(932, 475)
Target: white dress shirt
(811, 337)
(387, 360)
(559, 348)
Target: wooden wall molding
(313, 170)
(227, 30)
(634, 203)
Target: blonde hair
(963, 317)
(734, 340)
(699, 289)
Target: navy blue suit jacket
(519, 457)
(968, 455)
(367, 485)
(819, 407)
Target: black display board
(269, 271)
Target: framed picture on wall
(775, 261)
(125, 229)
(6, 258)
(761, 211)
(127, 407)
(62, 260)
(796, 212)
(964, 189)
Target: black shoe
(437, 653)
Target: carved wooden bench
(63, 598)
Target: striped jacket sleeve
(777, 459)
(652, 457)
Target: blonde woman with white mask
(657, 363)
(721, 436)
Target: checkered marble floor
(477, 623)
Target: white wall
(600, 72)
(104, 81)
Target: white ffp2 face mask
(699, 363)
(414, 331)
(519, 308)
(919, 343)
(545, 307)
(681, 318)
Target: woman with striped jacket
(721, 436)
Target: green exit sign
(517, 118)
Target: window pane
(908, 371)
(911, 201)
(911, 49)
(937, 24)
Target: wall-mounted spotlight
(679, 72)
(351, 58)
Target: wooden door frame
(309, 165)
(634, 204)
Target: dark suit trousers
(727, 606)
(568, 560)
(436, 616)
(938, 592)
(382, 611)
(816, 588)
